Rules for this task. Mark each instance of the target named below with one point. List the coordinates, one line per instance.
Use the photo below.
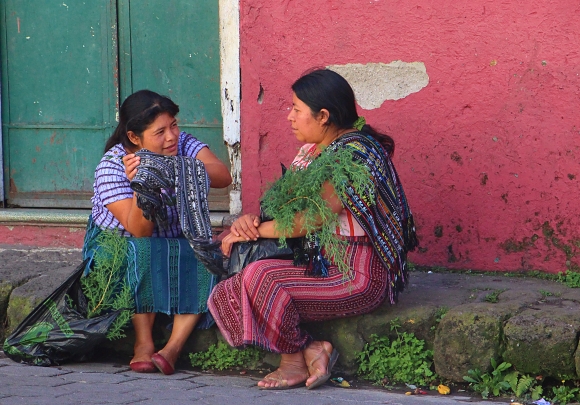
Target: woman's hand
(131, 161)
(229, 241)
(246, 227)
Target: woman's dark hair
(137, 112)
(323, 88)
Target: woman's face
(160, 137)
(307, 127)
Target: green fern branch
(300, 192)
(105, 287)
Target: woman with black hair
(162, 270)
(265, 303)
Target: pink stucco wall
(488, 151)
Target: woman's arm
(131, 217)
(218, 173)
(126, 210)
(268, 229)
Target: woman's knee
(260, 273)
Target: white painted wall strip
(229, 21)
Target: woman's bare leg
(144, 347)
(183, 325)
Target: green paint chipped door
(67, 65)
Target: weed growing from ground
(503, 380)
(439, 314)
(493, 297)
(221, 356)
(494, 383)
(546, 294)
(524, 386)
(570, 278)
(404, 360)
(564, 394)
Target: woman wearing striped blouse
(162, 269)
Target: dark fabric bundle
(158, 175)
(154, 179)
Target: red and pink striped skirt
(265, 303)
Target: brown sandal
(322, 378)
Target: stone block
(25, 298)
(467, 338)
(542, 340)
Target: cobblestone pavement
(111, 383)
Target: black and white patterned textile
(159, 176)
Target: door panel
(172, 47)
(59, 98)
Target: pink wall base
(42, 236)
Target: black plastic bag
(57, 330)
(242, 254)
(210, 255)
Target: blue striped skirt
(163, 273)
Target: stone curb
(534, 324)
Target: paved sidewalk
(112, 383)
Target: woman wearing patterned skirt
(161, 267)
(265, 303)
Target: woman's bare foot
(142, 352)
(320, 357)
(170, 354)
(291, 373)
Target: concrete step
(43, 227)
(58, 228)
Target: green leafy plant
(221, 356)
(570, 278)
(493, 297)
(524, 386)
(564, 394)
(299, 192)
(546, 294)
(404, 360)
(494, 383)
(439, 314)
(105, 287)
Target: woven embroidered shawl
(383, 213)
(158, 175)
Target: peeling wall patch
(374, 83)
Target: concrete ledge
(61, 228)
(56, 217)
(62, 217)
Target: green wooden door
(58, 98)
(66, 66)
